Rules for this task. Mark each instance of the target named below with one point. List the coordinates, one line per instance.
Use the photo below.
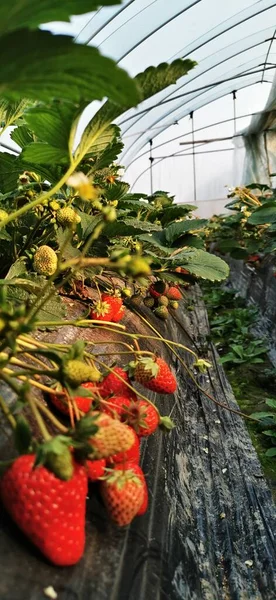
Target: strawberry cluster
(108, 308)
(47, 498)
(161, 297)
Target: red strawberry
(116, 406)
(111, 437)
(111, 384)
(118, 316)
(143, 417)
(51, 512)
(155, 375)
(115, 301)
(174, 293)
(83, 402)
(132, 455)
(138, 471)
(123, 495)
(95, 468)
(102, 311)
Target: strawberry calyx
(120, 477)
(166, 423)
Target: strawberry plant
(68, 228)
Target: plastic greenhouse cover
(232, 42)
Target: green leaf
(156, 240)
(264, 214)
(271, 452)
(4, 235)
(18, 268)
(270, 432)
(41, 66)
(9, 172)
(96, 138)
(156, 79)
(117, 191)
(44, 154)
(109, 155)
(22, 136)
(129, 227)
(151, 81)
(175, 230)
(52, 124)
(24, 14)
(175, 211)
(262, 415)
(271, 402)
(202, 264)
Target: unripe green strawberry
(76, 371)
(163, 301)
(45, 261)
(61, 464)
(174, 304)
(126, 292)
(3, 215)
(149, 301)
(67, 217)
(162, 312)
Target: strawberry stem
(42, 427)
(6, 412)
(50, 416)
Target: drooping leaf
(150, 82)
(176, 230)
(23, 14)
(202, 264)
(156, 79)
(39, 65)
(264, 214)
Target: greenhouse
(138, 300)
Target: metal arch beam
(203, 89)
(158, 161)
(268, 52)
(158, 29)
(198, 76)
(196, 131)
(106, 23)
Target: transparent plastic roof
(234, 44)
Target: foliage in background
(246, 363)
(251, 228)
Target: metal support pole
(235, 110)
(151, 173)
(194, 158)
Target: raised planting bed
(208, 532)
